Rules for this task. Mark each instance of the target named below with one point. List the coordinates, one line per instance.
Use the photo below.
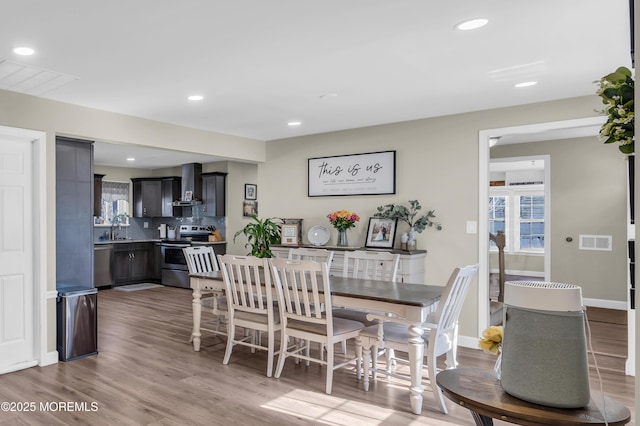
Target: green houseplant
(616, 90)
(408, 215)
(260, 235)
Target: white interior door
(16, 253)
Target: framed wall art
(381, 232)
(250, 191)
(372, 173)
(249, 208)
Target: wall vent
(596, 242)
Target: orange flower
(343, 219)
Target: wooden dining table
(411, 302)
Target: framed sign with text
(372, 173)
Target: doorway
(575, 130)
(519, 208)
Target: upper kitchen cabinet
(147, 197)
(171, 187)
(74, 213)
(213, 193)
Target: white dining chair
(301, 285)
(440, 334)
(315, 254)
(250, 299)
(375, 265)
(203, 259)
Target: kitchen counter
(157, 240)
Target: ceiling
(330, 64)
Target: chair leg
(358, 357)
(437, 392)
(283, 354)
(307, 350)
(231, 333)
(329, 371)
(270, 351)
(344, 347)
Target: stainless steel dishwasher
(103, 264)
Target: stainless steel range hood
(191, 183)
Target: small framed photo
(188, 196)
(381, 232)
(250, 191)
(289, 235)
(249, 208)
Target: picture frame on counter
(250, 191)
(372, 173)
(298, 224)
(289, 235)
(188, 196)
(381, 232)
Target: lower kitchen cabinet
(133, 262)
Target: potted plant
(616, 90)
(409, 215)
(260, 235)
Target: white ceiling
(261, 64)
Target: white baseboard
(607, 304)
(19, 366)
(535, 274)
(49, 359)
(468, 342)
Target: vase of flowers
(616, 90)
(343, 220)
(491, 343)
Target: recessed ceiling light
(131, 159)
(329, 95)
(472, 24)
(195, 97)
(24, 51)
(526, 84)
(294, 123)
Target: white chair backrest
(303, 286)
(317, 255)
(200, 259)
(248, 283)
(375, 265)
(452, 299)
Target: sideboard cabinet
(410, 269)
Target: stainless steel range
(175, 271)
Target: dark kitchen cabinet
(97, 195)
(133, 262)
(171, 188)
(157, 262)
(214, 193)
(74, 213)
(147, 197)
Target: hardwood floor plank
(146, 373)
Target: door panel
(16, 247)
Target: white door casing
(16, 253)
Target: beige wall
(437, 164)
(588, 191)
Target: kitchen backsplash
(137, 231)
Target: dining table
(409, 302)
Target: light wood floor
(148, 374)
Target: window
(519, 212)
(531, 222)
(497, 216)
(115, 202)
